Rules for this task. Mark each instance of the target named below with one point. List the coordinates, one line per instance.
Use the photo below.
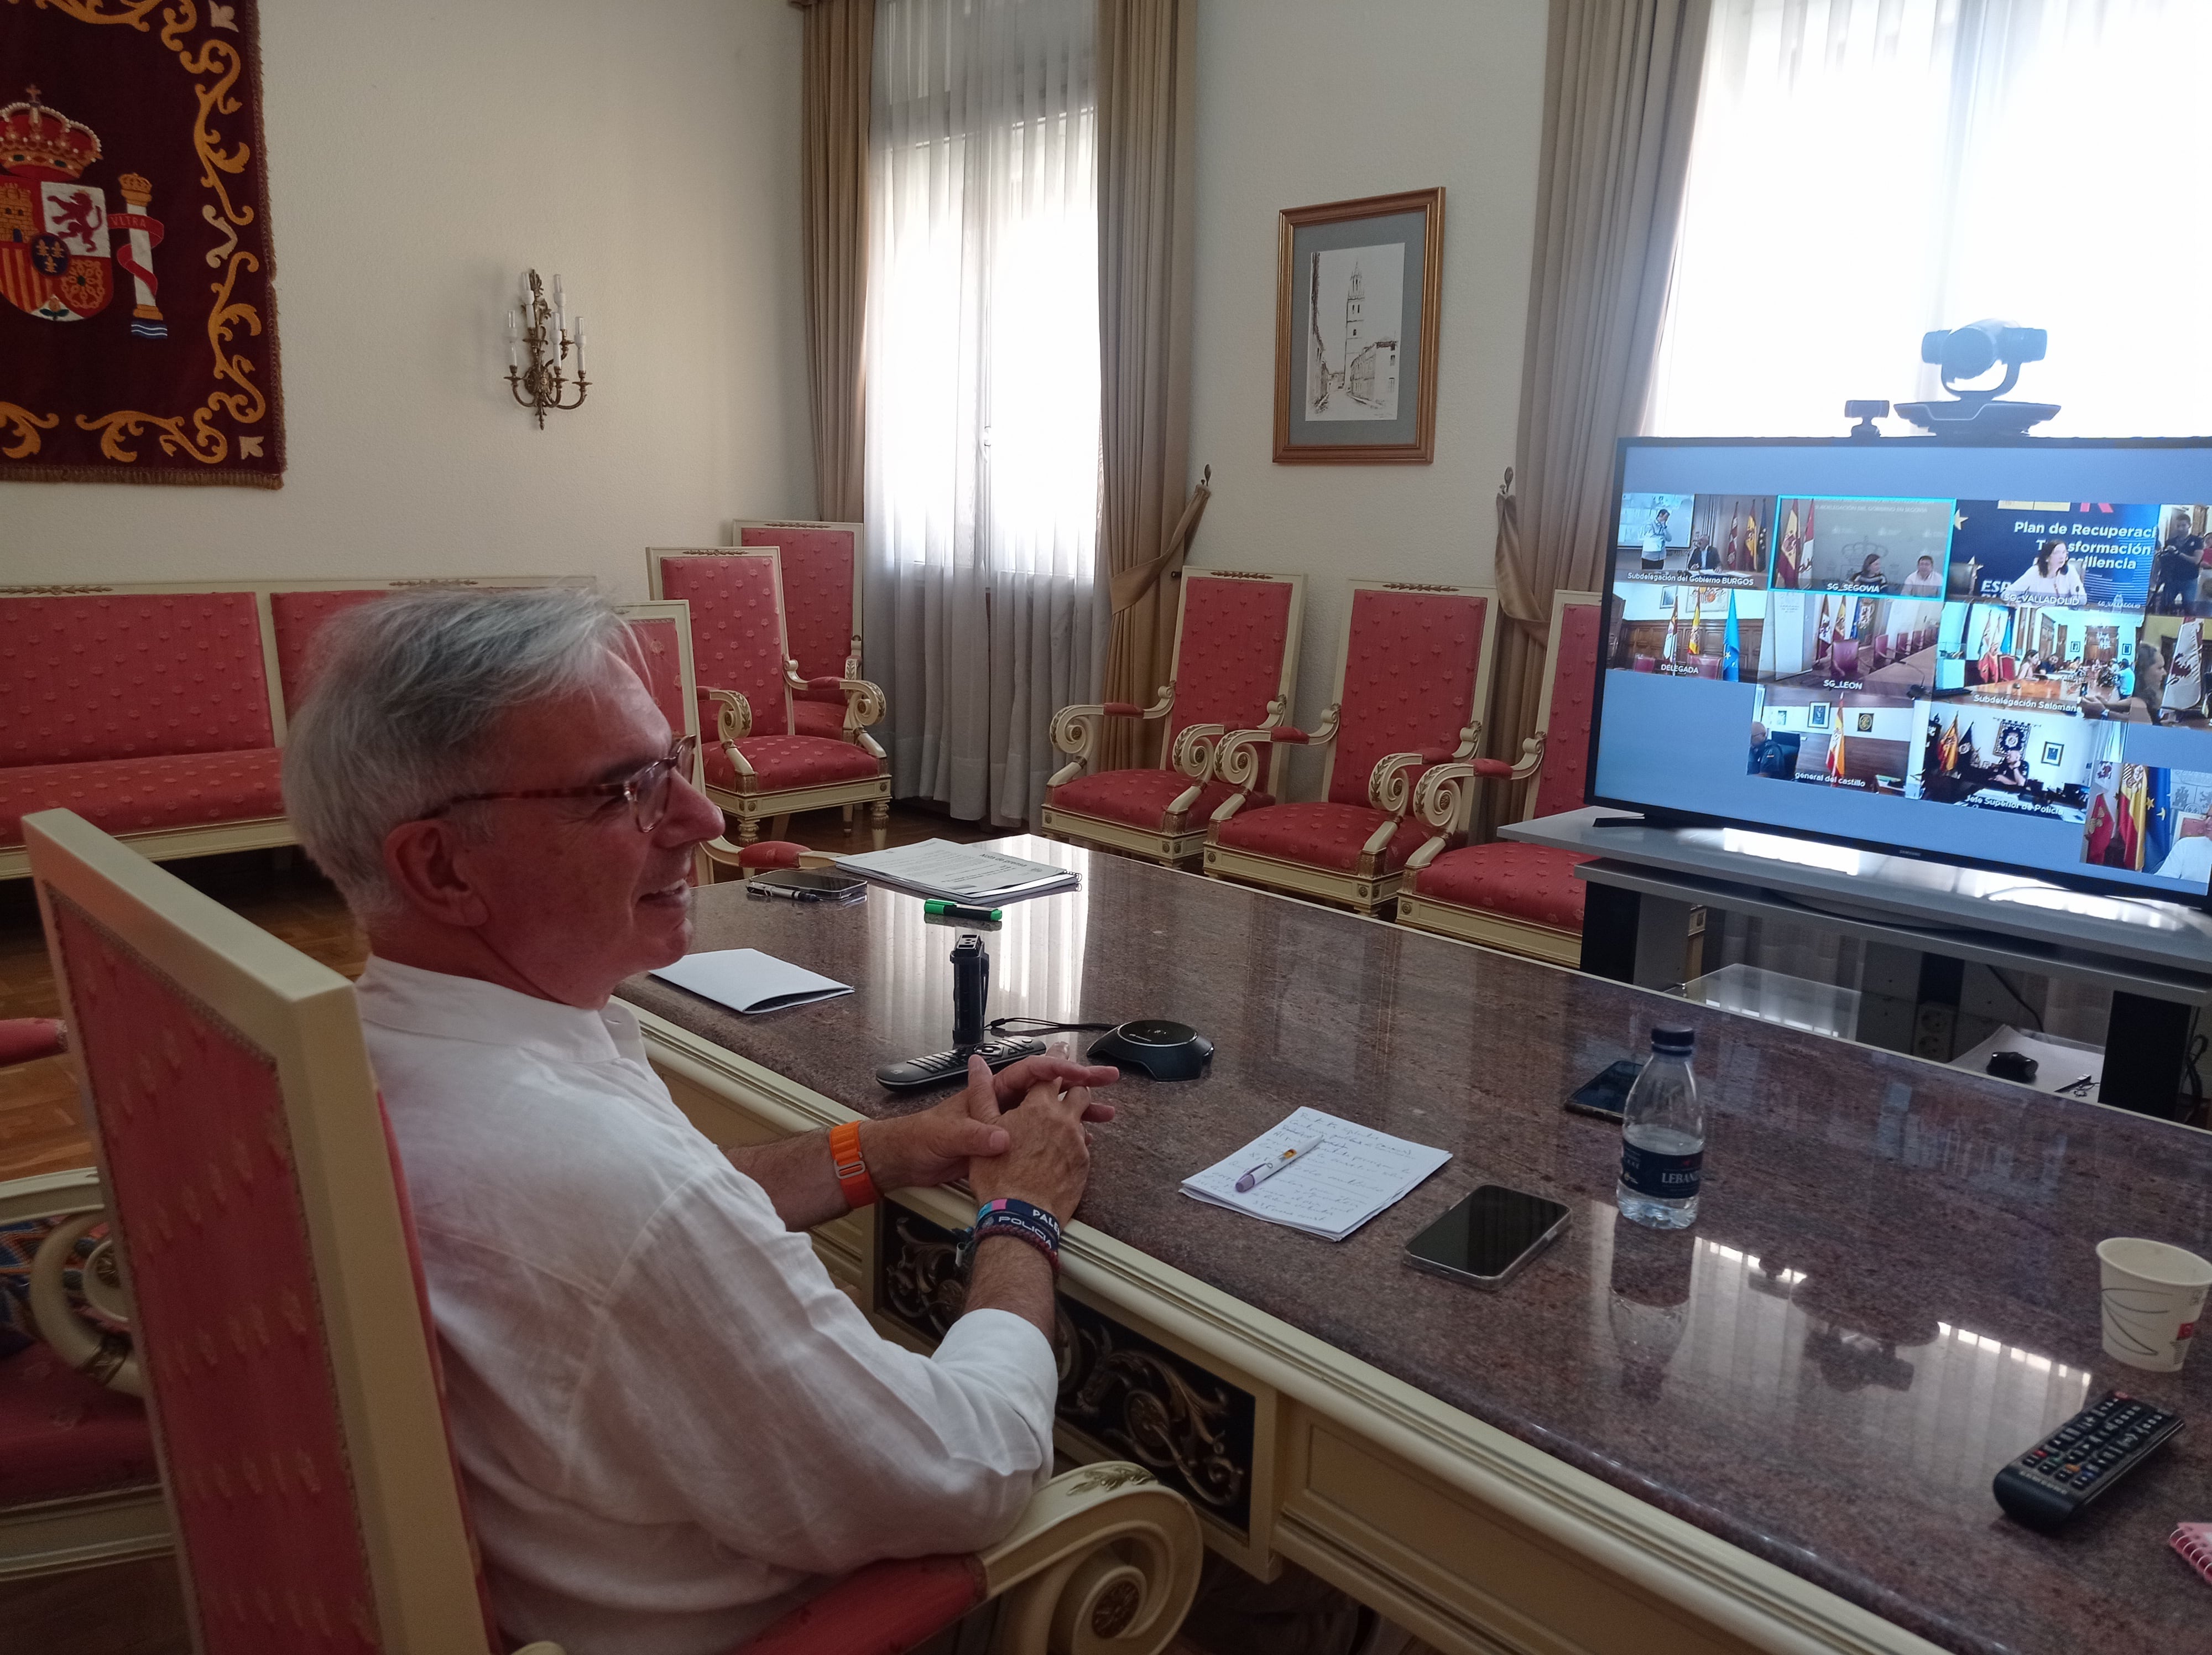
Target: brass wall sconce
(541, 327)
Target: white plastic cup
(2153, 1297)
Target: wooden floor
(134, 1608)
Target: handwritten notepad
(1355, 1174)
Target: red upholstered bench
(157, 711)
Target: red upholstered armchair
(1236, 666)
(757, 764)
(821, 567)
(1411, 682)
(260, 1224)
(1522, 899)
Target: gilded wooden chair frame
(260, 832)
(1076, 730)
(750, 806)
(854, 652)
(1368, 887)
(1445, 800)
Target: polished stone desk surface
(1892, 1289)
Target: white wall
(1303, 101)
(422, 152)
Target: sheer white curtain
(1865, 170)
(985, 610)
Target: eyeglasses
(646, 790)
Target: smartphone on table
(1489, 1237)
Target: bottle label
(1665, 1178)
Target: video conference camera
(1967, 353)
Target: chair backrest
(737, 624)
(663, 631)
(1414, 673)
(114, 675)
(1236, 648)
(821, 588)
(1563, 711)
(264, 1240)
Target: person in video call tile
(2180, 561)
(1654, 557)
(1770, 757)
(1923, 581)
(2190, 859)
(2051, 579)
(1870, 572)
(1702, 554)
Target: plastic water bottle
(1662, 1137)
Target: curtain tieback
(1131, 584)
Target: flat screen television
(1987, 655)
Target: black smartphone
(1606, 1094)
(1488, 1237)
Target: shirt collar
(415, 1001)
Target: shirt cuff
(1010, 1351)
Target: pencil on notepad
(1267, 1169)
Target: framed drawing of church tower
(1356, 286)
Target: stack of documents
(1355, 1174)
(746, 980)
(961, 874)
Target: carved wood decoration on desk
(1132, 1397)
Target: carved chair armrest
(853, 658)
(22, 1039)
(1075, 729)
(79, 1202)
(1445, 796)
(733, 722)
(1390, 786)
(1103, 1551)
(1236, 758)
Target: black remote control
(951, 1065)
(2047, 1485)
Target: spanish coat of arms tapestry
(138, 341)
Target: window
(1865, 170)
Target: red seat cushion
(823, 719)
(791, 761)
(1321, 835)
(62, 1436)
(1528, 882)
(1139, 798)
(131, 796)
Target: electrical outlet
(1933, 1028)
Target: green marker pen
(953, 911)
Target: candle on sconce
(514, 353)
(514, 327)
(579, 345)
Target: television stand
(1649, 882)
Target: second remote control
(944, 1066)
(2082, 1458)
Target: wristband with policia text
(851, 1171)
(1018, 1218)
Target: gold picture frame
(1349, 276)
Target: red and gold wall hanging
(138, 338)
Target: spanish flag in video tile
(1836, 754)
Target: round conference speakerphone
(1155, 1047)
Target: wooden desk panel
(1775, 1432)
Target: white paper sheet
(956, 872)
(746, 980)
(1355, 1174)
(2056, 1065)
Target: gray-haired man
(669, 1420)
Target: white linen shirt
(671, 1423)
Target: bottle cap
(1674, 1039)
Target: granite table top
(1890, 1288)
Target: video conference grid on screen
(2042, 661)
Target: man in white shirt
(671, 1424)
(1923, 581)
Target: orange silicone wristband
(851, 1171)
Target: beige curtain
(1621, 97)
(1147, 54)
(837, 73)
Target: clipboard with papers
(962, 873)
